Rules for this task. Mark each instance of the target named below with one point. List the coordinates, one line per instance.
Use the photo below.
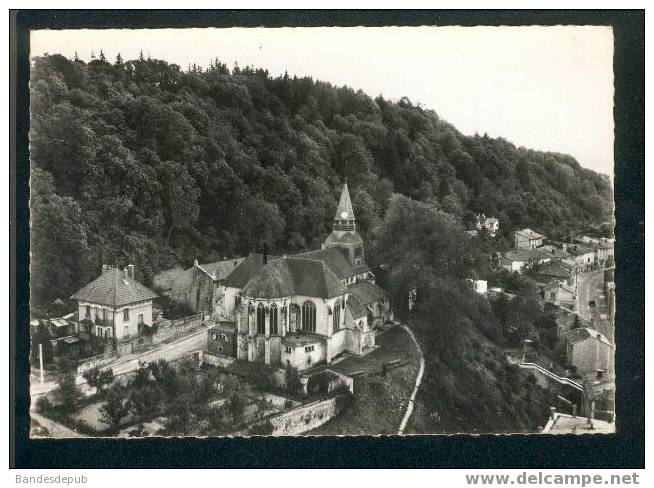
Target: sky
(546, 88)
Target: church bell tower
(344, 231)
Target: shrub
(292, 380)
(265, 428)
(43, 405)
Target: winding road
(421, 370)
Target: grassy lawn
(379, 401)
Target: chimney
(552, 413)
(125, 273)
(195, 263)
(265, 253)
(130, 268)
(105, 268)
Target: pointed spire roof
(344, 210)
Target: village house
(555, 271)
(566, 320)
(588, 350)
(489, 224)
(516, 259)
(527, 239)
(557, 293)
(199, 287)
(584, 256)
(114, 305)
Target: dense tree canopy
(140, 161)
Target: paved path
(55, 429)
(409, 408)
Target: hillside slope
(140, 161)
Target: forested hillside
(140, 161)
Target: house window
(337, 317)
(261, 319)
(308, 349)
(140, 319)
(104, 314)
(126, 330)
(308, 316)
(224, 338)
(273, 319)
(126, 315)
(553, 296)
(87, 312)
(220, 348)
(288, 350)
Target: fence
(169, 329)
(560, 379)
(99, 361)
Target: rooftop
(567, 424)
(246, 270)
(344, 210)
(334, 259)
(357, 309)
(576, 336)
(290, 276)
(529, 234)
(220, 270)
(525, 254)
(367, 292)
(114, 288)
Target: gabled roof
(525, 255)
(334, 259)
(582, 334)
(555, 268)
(291, 276)
(344, 210)
(219, 270)
(356, 308)
(114, 288)
(529, 234)
(555, 284)
(367, 292)
(246, 270)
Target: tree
(41, 336)
(178, 415)
(115, 407)
(66, 394)
(236, 407)
(181, 196)
(98, 378)
(166, 377)
(144, 401)
(292, 380)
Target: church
(305, 309)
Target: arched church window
(261, 319)
(308, 316)
(273, 319)
(337, 317)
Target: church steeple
(344, 220)
(344, 233)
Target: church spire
(344, 210)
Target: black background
(626, 449)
